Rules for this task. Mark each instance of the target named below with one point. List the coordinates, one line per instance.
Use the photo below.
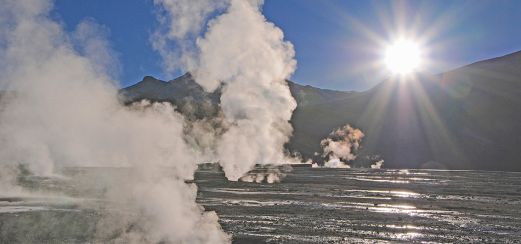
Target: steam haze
(64, 111)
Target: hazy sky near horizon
(338, 43)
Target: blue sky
(337, 42)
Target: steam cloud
(181, 21)
(340, 146)
(61, 109)
(269, 175)
(246, 55)
(378, 164)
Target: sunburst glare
(403, 57)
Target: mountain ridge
(460, 119)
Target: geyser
(246, 55)
(340, 146)
(65, 112)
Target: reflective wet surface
(310, 205)
(355, 205)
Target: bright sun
(403, 57)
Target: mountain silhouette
(466, 118)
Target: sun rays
(403, 57)
(404, 48)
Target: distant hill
(183, 91)
(467, 118)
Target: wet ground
(317, 206)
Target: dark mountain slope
(183, 91)
(468, 118)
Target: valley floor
(316, 206)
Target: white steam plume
(378, 164)
(269, 174)
(247, 55)
(65, 112)
(340, 146)
(180, 22)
